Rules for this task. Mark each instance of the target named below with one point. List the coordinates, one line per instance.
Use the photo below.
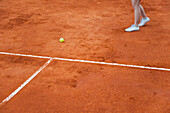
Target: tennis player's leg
(142, 12)
(137, 12)
(144, 19)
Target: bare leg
(142, 12)
(137, 11)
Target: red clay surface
(93, 30)
(14, 71)
(65, 87)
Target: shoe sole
(133, 30)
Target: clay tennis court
(98, 69)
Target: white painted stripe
(86, 61)
(113, 64)
(24, 55)
(26, 82)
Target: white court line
(25, 83)
(24, 55)
(86, 61)
(114, 64)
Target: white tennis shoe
(144, 21)
(132, 28)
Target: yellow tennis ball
(61, 39)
